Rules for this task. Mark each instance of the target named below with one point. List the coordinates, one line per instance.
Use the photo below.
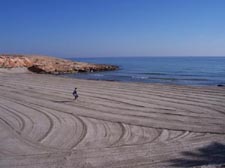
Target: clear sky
(90, 28)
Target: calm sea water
(169, 70)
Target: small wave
(195, 79)
(152, 73)
(167, 79)
(96, 79)
(188, 75)
(139, 77)
(180, 79)
(98, 75)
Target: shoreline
(184, 71)
(150, 83)
(25, 70)
(136, 82)
(112, 124)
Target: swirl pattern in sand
(110, 125)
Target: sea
(201, 71)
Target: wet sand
(112, 124)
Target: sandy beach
(112, 124)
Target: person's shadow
(213, 154)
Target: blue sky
(92, 28)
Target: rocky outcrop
(14, 61)
(51, 65)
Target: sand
(112, 124)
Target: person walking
(75, 94)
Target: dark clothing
(75, 94)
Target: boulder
(220, 85)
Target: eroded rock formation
(51, 65)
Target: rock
(14, 62)
(220, 85)
(50, 65)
